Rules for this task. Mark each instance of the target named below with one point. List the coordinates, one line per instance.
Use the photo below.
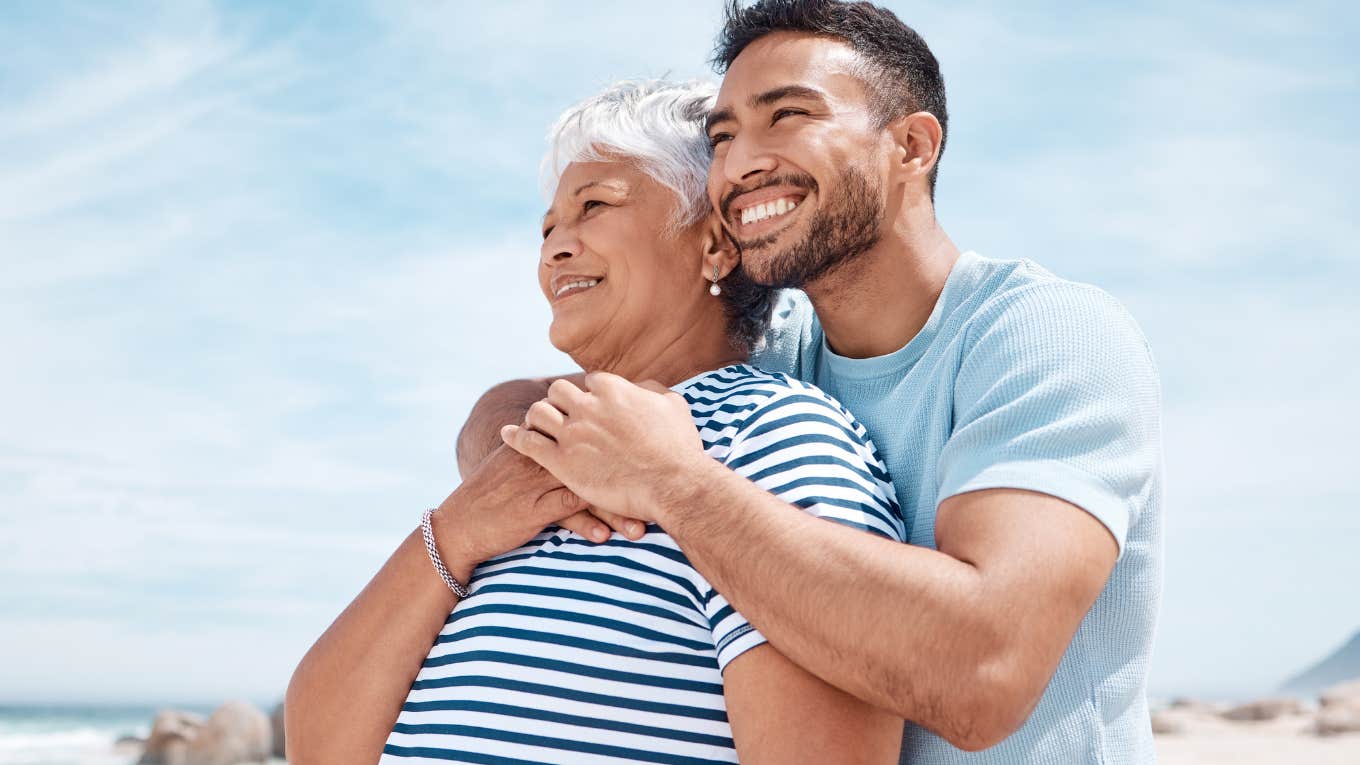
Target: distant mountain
(1342, 665)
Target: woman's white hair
(656, 123)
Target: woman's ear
(718, 249)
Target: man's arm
(962, 641)
(783, 715)
(1054, 450)
(502, 404)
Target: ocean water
(73, 735)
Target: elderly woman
(566, 650)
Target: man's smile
(763, 211)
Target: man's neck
(876, 303)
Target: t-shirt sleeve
(805, 448)
(1057, 393)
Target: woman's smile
(567, 285)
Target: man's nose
(745, 159)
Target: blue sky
(257, 261)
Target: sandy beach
(1286, 741)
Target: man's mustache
(800, 180)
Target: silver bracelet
(427, 531)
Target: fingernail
(635, 528)
(599, 534)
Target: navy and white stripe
(573, 652)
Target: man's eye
(718, 138)
(782, 113)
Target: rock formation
(276, 721)
(1265, 709)
(171, 733)
(235, 733)
(1339, 710)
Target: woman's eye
(590, 204)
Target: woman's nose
(557, 248)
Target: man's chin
(763, 265)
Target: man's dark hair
(902, 75)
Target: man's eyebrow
(770, 96)
(724, 114)
(785, 91)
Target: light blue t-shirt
(1022, 380)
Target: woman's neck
(669, 360)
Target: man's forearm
(503, 404)
(904, 628)
(348, 690)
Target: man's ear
(916, 139)
(718, 249)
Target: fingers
(629, 527)
(586, 525)
(545, 418)
(599, 382)
(535, 446)
(565, 396)
(655, 387)
(595, 524)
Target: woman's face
(610, 271)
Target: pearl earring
(714, 289)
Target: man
(1018, 414)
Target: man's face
(798, 165)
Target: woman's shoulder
(739, 396)
(743, 381)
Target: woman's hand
(504, 502)
(615, 444)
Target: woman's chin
(568, 336)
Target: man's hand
(504, 502)
(615, 444)
(481, 436)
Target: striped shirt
(574, 652)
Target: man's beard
(847, 226)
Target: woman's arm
(346, 693)
(782, 714)
(348, 690)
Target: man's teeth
(574, 285)
(765, 210)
